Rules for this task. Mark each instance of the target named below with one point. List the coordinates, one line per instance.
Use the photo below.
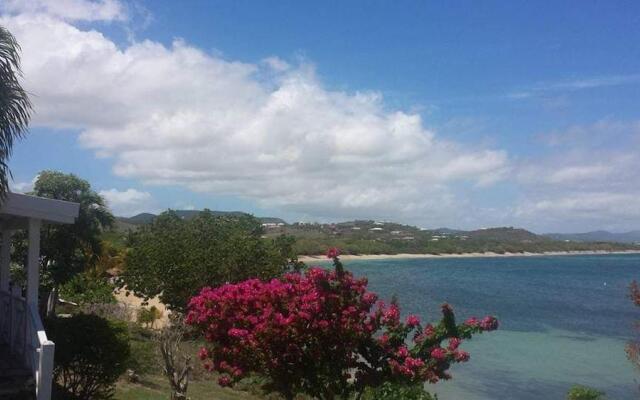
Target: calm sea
(564, 320)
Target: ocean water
(564, 320)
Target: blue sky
(464, 114)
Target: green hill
(146, 218)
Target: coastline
(347, 257)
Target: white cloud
(575, 85)
(589, 176)
(72, 10)
(127, 202)
(23, 186)
(269, 131)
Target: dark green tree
(67, 250)
(91, 353)
(15, 107)
(174, 258)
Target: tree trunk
(170, 339)
(51, 303)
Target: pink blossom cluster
(317, 328)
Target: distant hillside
(146, 218)
(140, 219)
(598, 236)
(506, 235)
(448, 231)
(385, 237)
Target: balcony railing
(21, 329)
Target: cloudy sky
(459, 114)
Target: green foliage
(174, 258)
(15, 107)
(87, 289)
(584, 393)
(67, 250)
(144, 353)
(148, 316)
(392, 391)
(91, 353)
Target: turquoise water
(564, 320)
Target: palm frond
(15, 107)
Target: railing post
(44, 377)
(33, 261)
(5, 260)
(12, 318)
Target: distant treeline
(374, 237)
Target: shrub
(86, 289)
(584, 393)
(323, 334)
(91, 353)
(148, 316)
(390, 391)
(144, 357)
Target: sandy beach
(346, 257)
(134, 303)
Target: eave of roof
(47, 210)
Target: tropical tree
(15, 107)
(174, 257)
(67, 250)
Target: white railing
(21, 328)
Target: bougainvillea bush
(323, 334)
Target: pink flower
(333, 252)
(461, 356)
(454, 343)
(489, 323)
(383, 340)
(224, 381)
(391, 315)
(203, 353)
(438, 353)
(471, 322)
(239, 333)
(403, 352)
(429, 330)
(413, 321)
(413, 363)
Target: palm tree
(15, 107)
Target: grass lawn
(157, 388)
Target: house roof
(18, 208)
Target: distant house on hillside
(395, 232)
(378, 223)
(270, 225)
(376, 229)
(356, 228)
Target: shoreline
(347, 257)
